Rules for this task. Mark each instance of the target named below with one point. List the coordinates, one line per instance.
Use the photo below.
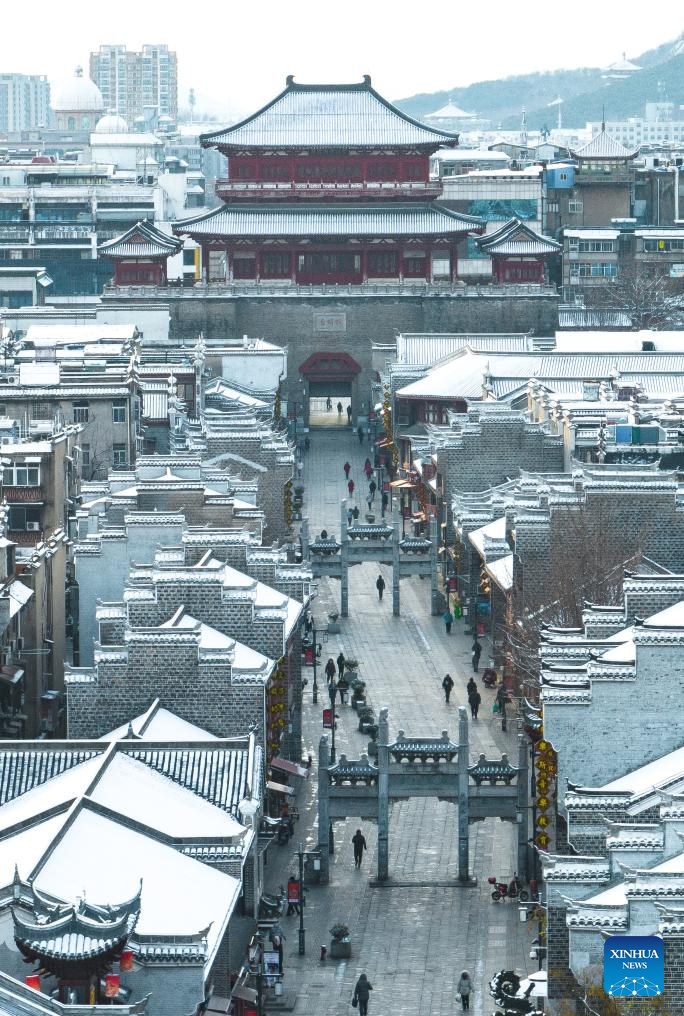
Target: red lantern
(111, 985)
(33, 981)
(126, 961)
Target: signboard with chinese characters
(335, 321)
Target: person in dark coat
(476, 654)
(448, 619)
(368, 469)
(360, 433)
(474, 699)
(372, 487)
(330, 670)
(347, 469)
(359, 843)
(385, 502)
(350, 488)
(362, 994)
(471, 687)
(356, 513)
(340, 663)
(447, 684)
(277, 937)
(465, 989)
(328, 403)
(380, 586)
(349, 414)
(339, 409)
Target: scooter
(512, 890)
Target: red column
(257, 265)
(454, 261)
(293, 267)
(364, 266)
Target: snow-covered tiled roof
(603, 146)
(517, 238)
(327, 116)
(414, 219)
(144, 240)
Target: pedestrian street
(413, 940)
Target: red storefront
(329, 184)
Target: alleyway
(413, 942)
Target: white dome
(111, 124)
(78, 95)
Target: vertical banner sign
(327, 718)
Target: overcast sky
(237, 54)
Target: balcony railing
(398, 287)
(311, 189)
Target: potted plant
(366, 718)
(340, 945)
(352, 668)
(358, 693)
(370, 518)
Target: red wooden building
(518, 253)
(329, 184)
(140, 255)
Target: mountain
(584, 92)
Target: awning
(288, 767)
(12, 675)
(243, 992)
(279, 788)
(383, 442)
(394, 484)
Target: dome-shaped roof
(78, 95)
(111, 124)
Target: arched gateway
(330, 381)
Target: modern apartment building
(133, 82)
(24, 102)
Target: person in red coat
(346, 468)
(350, 487)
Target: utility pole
(302, 933)
(315, 654)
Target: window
(662, 246)
(23, 519)
(243, 267)
(382, 263)
(593, 270)
(119, 411)
(81, 412)
(275, 266)
(441, 266)
(119, 455)
(575, 207)
(415, 264)
(85, 455)
(593, 246)
(21, 476)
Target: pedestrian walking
(362, 994)
(330, 670)
(380, 586)
(465, 989)
(350, 516)
(476, 654)
(328, 403)
(340, 663)
(372, 487)
(349, 414)
(447, 684)
(368, 469)
(332, 692)
(359, 431)
(277, 937)
(471, 687)
(369, 501)
(350, 488)
(343, 688)
(500, 703)
(474, 700)
(356, 513)
(339, 409)
(347, 470)
(293, 896)
(385, 502)
(448, 619)
(300, 467)
(359, 841)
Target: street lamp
(249, 808)
(315, 655)
(302, 933)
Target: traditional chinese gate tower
(329, 184)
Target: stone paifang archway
(422, 767)
(380, 542)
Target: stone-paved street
(413, 942)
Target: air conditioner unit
(33, 527)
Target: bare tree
(646, 293)
(587, 560)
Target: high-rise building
(24, 101)
(136, 84)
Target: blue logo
(634, 965)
